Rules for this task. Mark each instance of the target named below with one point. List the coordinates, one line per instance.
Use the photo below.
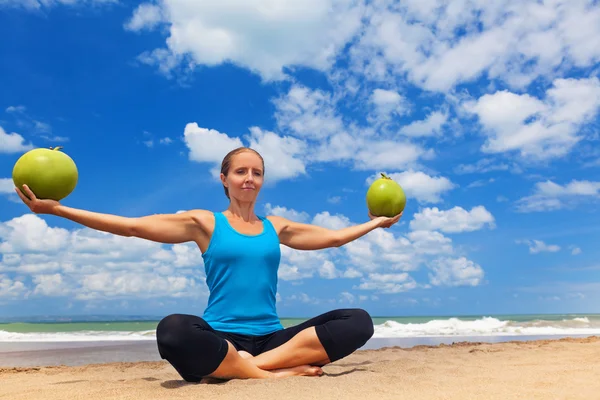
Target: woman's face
(245, 176)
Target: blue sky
(486, 115)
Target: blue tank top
(241, 274)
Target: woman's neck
(243, 211)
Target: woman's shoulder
(279, 223)
(204, 218)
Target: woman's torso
(206, 221)
(241, 262)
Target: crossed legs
(195, 351)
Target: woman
(239, 334)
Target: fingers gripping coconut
(386, 201)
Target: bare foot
(245, 354)
(302, 370)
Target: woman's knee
(348, 332)
(180, 331)
(169, 327)
(190, 345)
(362, 323)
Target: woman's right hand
(38, 206)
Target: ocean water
(140, 328)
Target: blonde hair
(226, 164)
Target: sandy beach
(542, 369)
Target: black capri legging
(196, 350)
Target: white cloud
(550, 196)
(309, 33)
(403, 277)
(438, 45)
(381, 260)
(573, 188)
(297, 264)
(124, 283)
(307, 113)
(347, 297)
(380, 250)
(292, 272)
(30, 265)
(538, 203)
(281, 154)
(303, 298)
(430, 243)
(326, 220)
(538, 246)
(388, 283)
(7, 186)
(13, 143)
(419, 186)
(367, 151)
(208, 145)
(15, 109)
(435, 45)
(454, 220)
(145, 16)
(29, 123)
(318, 134)
(480, 183)
(162, 141)
(88, 264)
(10, 288)
(455, 272)
(50, 285)
(30, 233)
(185, 255)
(535, 128)
(341, 146)
(168, 64)
(334, 199)
(352, 273)
(329, 271)
(387, 104)
(284, 212)
(481, 166)
(430, 126)
(575, 250)
(387, 154)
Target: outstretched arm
(313, 237)
(163, 228)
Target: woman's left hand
(385, 222)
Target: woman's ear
(223, 179)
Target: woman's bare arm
(163, 228)
(312, 237)
(170, 228)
